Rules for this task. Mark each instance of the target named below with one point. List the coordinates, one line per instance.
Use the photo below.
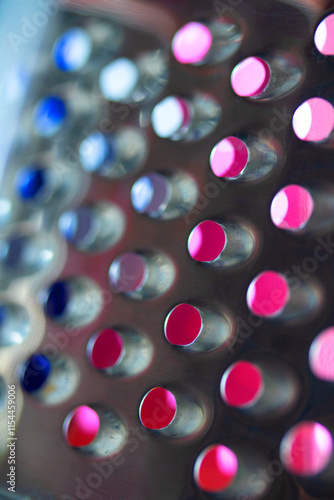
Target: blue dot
(49, 116)
(3, 315)
(72, 49)
(13, 251)
(35, 372)
(76, 225)
(142, 193)
(96, 151)
(31, 182)
(58, 296)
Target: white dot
(168, 117)
(118, 79)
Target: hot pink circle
(313, 120)
(81, 426)
(183, 325)
(306, 449)
(324, 36)
(206, 241)
(242, 384)
(215, 468)
(105, 348)
(321, 355)
(157, 409)
(191, 43)
(268, 294)
(292, 207)
(250, 77)
(229, 157)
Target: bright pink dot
(206, 241)
(81, 426)
(306, 449)
(321, 355)
(215, 468)
(241, 384)
(183, 325)
(313, 120)
(324, 36)
(157, 409)
(229, 157)
(128, 272)
(292, 207)
(250, 77)
(105, 348)
(268, 294)
(191, 43)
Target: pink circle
(306, 449)
(191, 43)
(183, 325)
(324, 36)
(229, 157)
(242, 384)
(268, 294)
(157, 409)
(128, 272)
(292, 207)
(313, 120)
(321, 355)
(215, 468)
(206, 241)
(81, 426)
(105, 348)
(250, 77)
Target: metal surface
(152, 466)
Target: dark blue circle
(35, 372)
(31, 182)
(50, 115)
(58, 296)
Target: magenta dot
(242, 384)
(128, 272)
(313, 120)
(268, 294)
(229, 157)
(250, 77)
(321, 355)
(324, 36)
(81, 426)
(191, 43)
(215, 469)
(105, 348)
(206, 241)
(306, 449)
(292, 207)
(183, 325)
(157, 409)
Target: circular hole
(77, 301)
(215, 469)
(157, 409)
(14, 324)
(151, 193)
(191, 43)
(106, 349)
(128, 272)
(94, 430)
(229, 157)
(118, 79)
(313, 120)
(26, 254)
(50, 115)
(324, 36)
(250, 77)
(50, 380)
(242, 385)
(97, 150)
(170, 116)
(292, 208)
(321, 355)
(183, 325)
(32, 184)
(268, 294)
(306, 449)
(72, 49)
(93, 227)
(206, 241)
